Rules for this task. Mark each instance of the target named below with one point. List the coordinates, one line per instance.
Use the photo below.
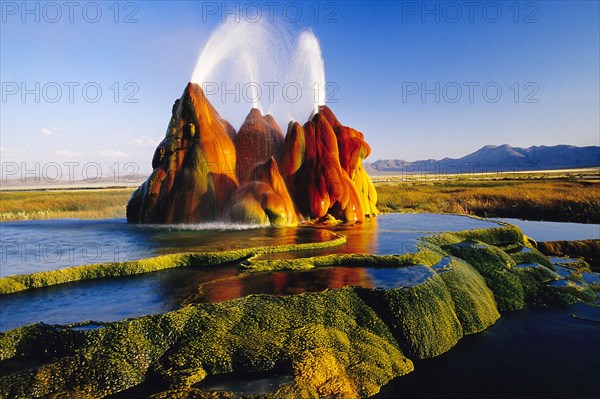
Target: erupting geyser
(204, 170)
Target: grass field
(534, 196)
(52, 204)
(568, 200)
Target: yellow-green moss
(532, 255)
(569, 293)
(473, 301)
(194, 393)
(117, 269)
(533, 278)
(495, 267)
(498, 236)
(422, 318)
(342, 343)
(425, 257)
(256, 333)
(260, 332)
(8, 285)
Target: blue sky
(543, 56)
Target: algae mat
(345, 342)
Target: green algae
(474, 302)
(22, 282)
(496, 268)
(505, 235)
(534, 278)
(422, 317)
(426, 257)
(333, 341)
(98, 362)
(36, 340)
(532, 255)
(570, 292)
(342, 343)
(195, 393)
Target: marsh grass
(555, 200)
(53, 204)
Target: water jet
(205, 170)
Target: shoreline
(364, 337)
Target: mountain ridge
(497, 158)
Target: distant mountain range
(491, 158)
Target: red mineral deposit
(205, 171)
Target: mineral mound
(206, 171)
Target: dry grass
(52, 204)
(573, 200)
(555, 200)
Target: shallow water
(316, 280)
(532, 353)
(118, 298)
(249, 384)
(556, 231)
(168, 290)
(105, 300)
(34, 246)
(520, 356)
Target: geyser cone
(259, 139)
(194, 167)
(353, 150)
(265, 198)
(322, 166)
(314, 173)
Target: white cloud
(49, 130)
(67, 153)
(143, 142)
(7, 151)
(113, 154)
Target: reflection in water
(320, 279)
(280, 283)
(243, 385)
(360, 238)
(170, 289)
(178, 240)
(106, 300)
(115, 299)
(34, 246)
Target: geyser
(262, 65)
(205, 171)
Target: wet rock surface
(205, 171)
(344, 342)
